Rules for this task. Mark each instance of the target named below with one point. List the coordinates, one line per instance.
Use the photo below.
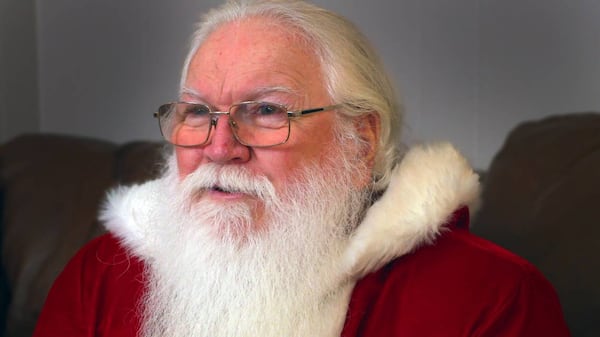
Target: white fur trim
(426, 187)
(127, 212)
(429, 184)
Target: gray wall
(468, 70)
(19, 110)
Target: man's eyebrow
(251, 95)
(263, 91)
(190, 92)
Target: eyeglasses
(256, 124)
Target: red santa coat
(423, 275)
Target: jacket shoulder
(460, 285)
(98, 291)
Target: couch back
(51, 187)
(541, 200)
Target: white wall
(468, 70)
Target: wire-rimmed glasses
(256, 124)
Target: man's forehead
(251, 60)
(254, 33)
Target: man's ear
(369, 128)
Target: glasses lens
(184, 124)
(260, 123)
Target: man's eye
(194, 114)
(267, 109)
(196, 110)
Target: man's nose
(223, 147)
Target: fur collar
(429, 184)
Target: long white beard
(284, 280)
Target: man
(286, 210)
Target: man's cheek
(188, 161)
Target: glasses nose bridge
(214, 117)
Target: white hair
(352, 70)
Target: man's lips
(218, 189)
(223, 189)
(227, 193)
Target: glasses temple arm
(309, 111)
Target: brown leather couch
(541, 199)
(50, 190)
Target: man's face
(255, 60)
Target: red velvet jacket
(461, 286)
(419, 271)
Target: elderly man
(287, 210)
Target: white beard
(213, 274)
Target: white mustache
(228, 178)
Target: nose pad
(234, 126)
(234, 130)
(230, 122)
(224, 147)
